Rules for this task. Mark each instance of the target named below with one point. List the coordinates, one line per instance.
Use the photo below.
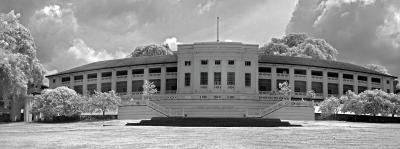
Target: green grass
(313, 134)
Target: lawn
(313, 134)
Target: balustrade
(137, 75)
(332, 79)
(122, 76)
(155, 74)
(92, 79)
(105, 78)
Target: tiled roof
(262, 59)
(121, 63)
(316, 63)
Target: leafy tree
(102, 102)
(352, 103)
(284, 89)
(394, 104)
(378, 68)
(19, 66)
(300, 45)
(329, 106)
(148, 89)
(374, 101)
(61, 101)
(151, 50)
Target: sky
(71, 33)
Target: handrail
(273, 108)
(157, 107)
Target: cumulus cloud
(363, 31)
(172, 43)
(203, 8)
(83, 52)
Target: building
(221, 79)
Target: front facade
(217, 73)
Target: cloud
(203, 8)
(172, 43)
(363, 31)
(81, 51)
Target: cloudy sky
(74, 32)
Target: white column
(291, 78)
(369, 82)
(163, 81)
(309, 84)
(273, 78)
(129, 82)
(325, 84)
(84, 84)
(114, 80)
(355, 87)
(98, 81)
(340, 84)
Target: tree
(374, 101)
(311, 94)
(61, 101)
(378, 68)
(284, 89)
(102, 102)
(19, 66)
(329, 106)
(394, 105)
(300, 45)
(352, 103)
(151, 50)
(148, 89)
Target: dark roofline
(58, 74)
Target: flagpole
(217, 29)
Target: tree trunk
(104, 113)
(392, 114)
(15, 112)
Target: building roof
(125, 62)
(317, 63)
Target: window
(264, 84)
(137, 71)
(122, 73)
(362, 78)
(387, 90)
(77, 78)
(187, 63)
(91, 88)
(300, 86)
(137, 86)
(187, 79)
(387, 82)
(91, 76)
(317, 87)
(316, 73)
(282, 70)
(170, 85)
(54, 80)
(157, 83)
(204, 62)
(333, 88)
(247, 63)
(347, 76)
(333, 75)
(106, 74)
(231, 78)
(300, 71)
(121, 87)
(280, 82)
(346, 88)
(172, 69)
(217, 78)
(154, 70)
(78, 89)
(362, 89)
(217, 62)
(247, 79)
(105, 87)
(203, 78)
(231, 62)
(376, 80)
(65, 79)
(264, 69)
